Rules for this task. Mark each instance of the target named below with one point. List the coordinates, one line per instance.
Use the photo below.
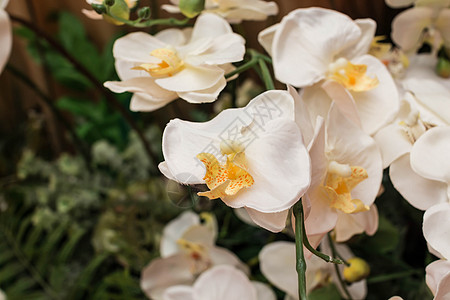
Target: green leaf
(385, 239)
(329, 292)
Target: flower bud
(99, 8)
(357, 270)
(191, 8)
(443, 67)
(144, 13)
(118, 9)
(109, 2)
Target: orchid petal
(206, 95)
(393, 143)
(274, 222)
(210, 25)
(362, 46)
(136, 47)
(408, 26)
(420, 192)
(430, 151)
(435, 272)
(436, 227)
(223, 283)
(263, 291)
(179, 292)
(5, 38)
(265, 37)
(192, 79)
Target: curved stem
(95, 82)
(319, 254)
(336, 268)
(266, 77)
(300, 257)
(138, 23)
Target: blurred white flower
(235, 11)
(5, 35)
(221, 283)
(189, 64)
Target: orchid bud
(109, 2)
(118, 9)
(191, 8)
(357, 270)
(99, 8)
(144, 13)
(443, 67)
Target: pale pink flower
(5, 35)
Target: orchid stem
(266, 77)
(336, 268)
(139, 23)
(300, 257)
(252, 62)
(319, 254)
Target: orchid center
(229, 178)
(412, 125)
(170, 63)
(340, 181)
(352, 77)
(198, 253)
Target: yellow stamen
(352, 77)
(170, 63)
(338, 188)
(200, 260)
(227, 179)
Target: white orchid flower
(221, 283)
(277, 263)
(234, 11)
(187, 227)
(325, 52)
(413, 26)
(425, 105)
(438, 279)
(346, 175)
(189, 64)
(5, 35)
(191, 259)
(250, 157)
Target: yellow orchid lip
(170, 63)
(340, 181)
(229, 178)
(352, 77)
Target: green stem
(250, 64)
(383, 278)
(319, 254)
(336, 268)
(300, 257)
(152, 22)
(266, 77)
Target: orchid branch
(300, 257)
(336, 268)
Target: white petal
(306, 42)
(179, 292)
(222, 256)
(349, 225)
(429, 153)
(408, 26)
(210, 25)
(223, 283)
(162, 273)
(435, 272)
(420, 192)
(362, 46)
(192, 79)
(347, 144)
(173, 37)
(171, 8)
(136, 47)
(92, 14)
(279, 164)
(242, 215)
(343, 99)
(443, 25)
(204, 96)
(174, 230)
(392, 142)
(443, 291)
(274, 222)
(265, 37)
(5, 38)
(317, 100)
(380, 105)
(3, 4)
(322, 218)
(145, 102)
(399, 3)
(224, 49)
(302, 117)
(277, 263)
(263, 291)
(436, 228)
